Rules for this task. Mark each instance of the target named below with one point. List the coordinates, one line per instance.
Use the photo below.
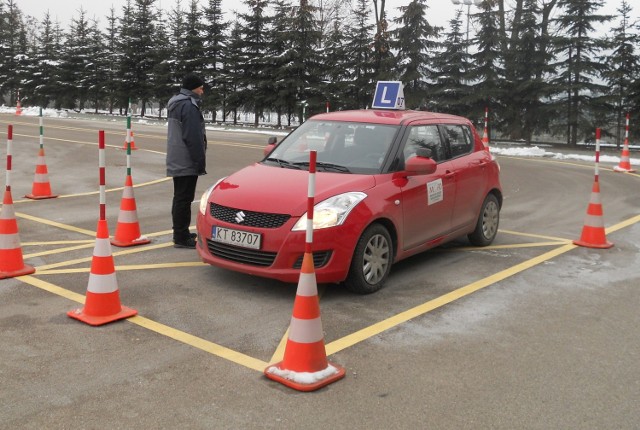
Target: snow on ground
(512, 150)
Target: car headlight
(331, 212)
(205, 197)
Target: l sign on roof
(389, 95)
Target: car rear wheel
(371, 261)
(487, 225)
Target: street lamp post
(468, 3)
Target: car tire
(487, 224)
(371, 262)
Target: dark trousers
(184, 190)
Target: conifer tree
(580, 50)
(415, 42)
(623, 67)
(451, 89)
(213, 52)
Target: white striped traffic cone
(102, 303)
(41, 188)
(11, 261)
(305, 366)
(128, 227)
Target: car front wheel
(371, 261)
(487, 225)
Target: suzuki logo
(240, 217)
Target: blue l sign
(389, 95)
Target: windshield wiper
(326, 166)
(284, 163)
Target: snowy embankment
(588, 151)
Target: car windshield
(343, 147)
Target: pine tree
(163, 77)
(46, 56)
(360, 58)
(451, 89)
(113, 58)
(97, 66)
(623, 66)
(415, 42)
(486, 70)
(76, 63)
(10, 28)
(580, 68)
(254, 28)
(337, 63)
(213, 50)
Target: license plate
(235, 237)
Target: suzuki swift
(389, 184)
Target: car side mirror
(271, 143)
(420, 164)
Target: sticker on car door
(435, 192)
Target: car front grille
(253, 257)
(247, 218)
(319, 259)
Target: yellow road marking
(55, 224)
(180, 336)
(125, 268)
(204, 345)
(536, 236)
(402, 317)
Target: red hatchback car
(389, 184)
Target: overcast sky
(439, 12)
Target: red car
(389, 184)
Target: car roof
(383, 116)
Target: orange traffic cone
(102, 303)
(305, 366)
(11, 262)
(41, 188)
(128, 228)
(593, 233)
(133, 143)
(485, 135)
(18, 108)
(625, 162)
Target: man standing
(186, 148)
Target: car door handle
(449, 174)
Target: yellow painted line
(125, 268)
(535, 236)
(56, 224)
(57, 242)
(278, 354)
(377, 328)
(511, 246)
(204, 345)
(133, 250)
(180, 336)
(43, 285)
(59, 250)
(623, 224)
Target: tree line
(540, 66)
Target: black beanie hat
(191, 82)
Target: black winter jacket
(186, 136)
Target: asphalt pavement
(532, 332)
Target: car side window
(424, 136)
(459, 137)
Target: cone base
(123, 244)
(622, 169)
(79, 314)
(301, 386)
(25, 270)
(36, 197)
(605, 245)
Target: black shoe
(193, 235)
(189, 244)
